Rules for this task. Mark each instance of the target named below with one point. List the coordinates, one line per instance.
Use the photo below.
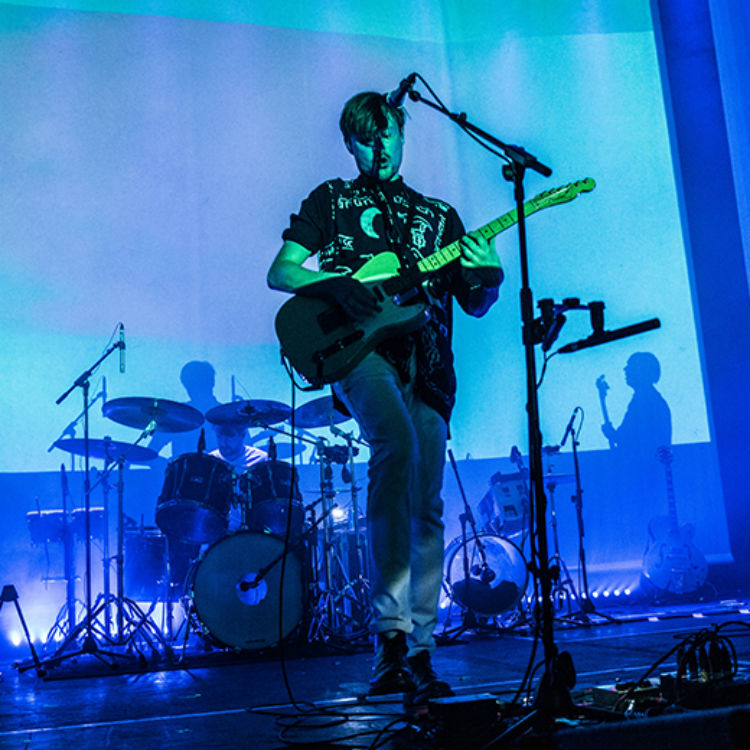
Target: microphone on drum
(271, 449)
(483, 572)
(202, 441)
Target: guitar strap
(397, 243)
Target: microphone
(122, 348)
(605, 336)
(271, 449)
(395, 98)
(202, 441)
(515, 454)
(104, 392)
(569, 428)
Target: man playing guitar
(401, 393)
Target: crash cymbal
(256, 413)
(140, 412)
(318, 413)
(110, 450)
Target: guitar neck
(449, 253)
(665, 456)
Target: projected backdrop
(151, 162)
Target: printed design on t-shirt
(367, 221)
(345, 202)
(420, 226)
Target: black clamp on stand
(553, 697)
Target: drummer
(234, 449)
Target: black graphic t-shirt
(347, 222)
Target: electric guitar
(671, 561)
(602, 386)
(323, 343)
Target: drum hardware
(70, 429)
(84, 635)
(586, 606)
(341, 606)
(195, 499)
(234, 589)
(492, 578)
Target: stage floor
(210, 698)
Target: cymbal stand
(127, 611)
(587, 607)
(348, 475)
(563, 590)
(342, 598)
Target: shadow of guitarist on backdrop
(672, 564)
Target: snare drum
(269, 485)
(235, 591)
(195, 499)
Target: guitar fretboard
(449, 253)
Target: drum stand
(342, 607)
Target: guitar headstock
(565, 193)
(602, 385)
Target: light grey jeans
(404, 505)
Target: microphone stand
(553, 695)
(469, 619)
(88, 643)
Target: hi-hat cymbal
(318, 413)
(140, 412)
(256, 413)
(110, 450)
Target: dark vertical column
(703, 169)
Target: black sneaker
(426, 683)
(390, 672)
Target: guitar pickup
(405, 297)
(340, 344)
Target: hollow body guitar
(323, 343)
(672, 562)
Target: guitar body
(671, 561)
(324, 343)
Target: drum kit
(225, 572)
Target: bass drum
(496, 581)
(235, 591)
